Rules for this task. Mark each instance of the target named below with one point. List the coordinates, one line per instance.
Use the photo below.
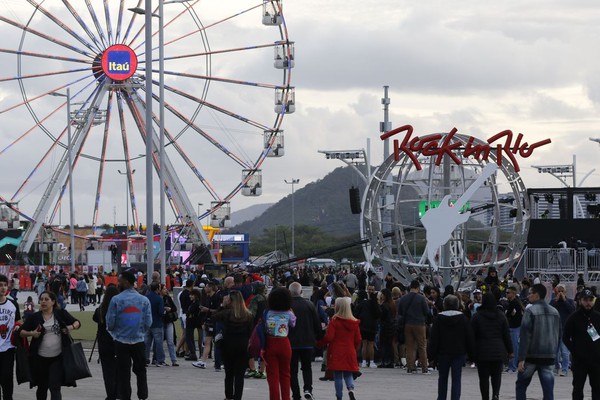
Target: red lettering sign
(501, 143)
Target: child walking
(343, 337)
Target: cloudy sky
(479, 66)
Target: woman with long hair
(368, 312)
(492, 343)
(49, 329)
(386, 327)
(343, 338)
(106, 345)
(237, 328)
(278, 351)
(169, 323)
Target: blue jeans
(155, 336)
(546, 380)
(340, 377)
(445, 365)
(562, 354)
(514, 336)
(170, 338)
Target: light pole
(199, 205)
(161, 78)
(293, 182)
(126, 197)
(70, 177)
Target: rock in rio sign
(119, 62)
(430, 146)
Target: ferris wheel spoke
(38, 165)
(47, 56)
(216, 23)
(32, 129)
(216, 108)
(109, 32)
(56, 89)
(205, 135)
(127, 157)
(119, 20)
(82, 24)
(14, 78)
(62, 25)
(102, 161)
(130, 24)
(222, 51)
(224, 80)
(96, 23)
(47, 37)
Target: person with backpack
(257, 306)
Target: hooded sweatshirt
(492, 336)
(450, 335)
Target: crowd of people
(352, 320)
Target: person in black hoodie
(237, 328)
(303, 337)
(584, 345)
(106, 345)
(368, 312)
(493, 345)
(514, 315)
(450, 338)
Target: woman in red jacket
(343, 337)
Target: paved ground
(187, 382)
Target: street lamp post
(126, 197)
(70, 177)
(293, 182)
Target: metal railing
(567, 263)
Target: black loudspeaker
(354, 193)
(563, 208)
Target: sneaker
(251, 374)
(410, 370)
(218, 369)
(351, 395)
(426, 372)
(363, 364)
(308, 395)
(472, 365)
(372, 364)
(162, 364)
(199, 364)
(174, 364)
(318, 359)
(563, 373)
(260, 375)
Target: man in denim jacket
(128, 319)
(540, 333)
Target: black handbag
(22, 361)
(75, 365)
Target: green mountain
(324, 205)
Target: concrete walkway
(187, 382)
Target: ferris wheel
(227, 87)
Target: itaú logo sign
(119, 62)
(503, 143)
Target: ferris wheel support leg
(58, 178)
(178, 194)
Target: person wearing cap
(583, 341)
(128, 318)
(477, 297)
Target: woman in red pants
(278, 352)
